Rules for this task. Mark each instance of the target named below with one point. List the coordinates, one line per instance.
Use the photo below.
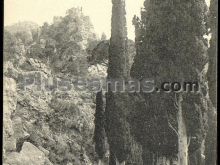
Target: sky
(40, 11)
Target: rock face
(9, 106)
(29, 154)
(57, 125)
(43, 124)
(13, 131)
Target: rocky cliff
(56, 125)
(46, 124)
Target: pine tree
(99, 134)
(171, 48)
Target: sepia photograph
(110, 82)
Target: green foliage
(118, 104)
(70, 35)
(212, 52)
(170, 48)
(99, 134)
(67, 116)
(37, 51)
(14, 48)
(117, 126)
(118, 56)
(62, 44)
(9, 46)
(91, 46)
(150, 125)
(73, 27)
(27, 32)
(135, 156)
(211, 139)
(100, 53)
(112, 160)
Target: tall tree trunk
(203, 153)
(182, 140)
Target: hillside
(55, 125)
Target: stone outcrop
(43, 124)
(54, 125)
(29, 154)
(10, 97)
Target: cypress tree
(211, 139)
(117, 103)
(171, 48)
(118, 56)
(212, 52)
(112, 158)
(99, 134)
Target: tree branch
(176, 106)
(170, 125)
(189, 140)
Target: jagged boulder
(29, 155)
